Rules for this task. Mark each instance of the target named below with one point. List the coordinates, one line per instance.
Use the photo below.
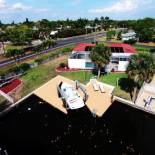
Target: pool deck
(97, 102)
(148, 90)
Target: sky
(18, 10)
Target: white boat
(70, 96)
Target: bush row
(72, 32)
(25, 66)
(52, 55)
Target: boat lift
(83, 89)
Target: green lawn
(36, 77)
(10, 46)
(84, 76)
(112, 79)
(141, 49)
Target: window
(89, 65)
(87, 56)
(81, 56)
(117, 50)
(73, 56)
(123, 59)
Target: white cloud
(120, 6)
(20, 7)
(2, 4)
(6, 8)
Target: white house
(128, 36)
(53, 33)
(121, 53)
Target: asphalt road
(60, 44)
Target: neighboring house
(53, 33)
(128, 36)
(80, 58)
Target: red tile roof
(126, 47)
(82, 47)
(11, 86)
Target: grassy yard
(112, 79)
(10, 46)
(36, 77)
(43, 73)
(141, 49)
(84, 76)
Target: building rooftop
(126, 47)
(82, 47)
(97, 102)
(129, 34)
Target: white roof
(128, 34)
(53, 32)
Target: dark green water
(34, 128)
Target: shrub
(120, 93)
(14, 69)
(62, 65)
(152, 50)
(24, 66)
(66, 50)
(39, 60)
(130, 41)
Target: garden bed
(65, 69)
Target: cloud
(6, 8)
(20, 7)
(121, 6)
(2, 4)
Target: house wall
(79, 64)
(120, 66)
(123, 66)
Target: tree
(15, 54)
(102, 22)
(119, 35)
(100, 55)
(48, 44)
(3, 38)
(38, 49)
(145, 35)
(141, 68)
(110, 34)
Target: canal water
(36, 128)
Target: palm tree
(100, 55)
(48, 44)
(38, 50)
(141, 69)
(14, 53)
(3, 38)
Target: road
(60, 44)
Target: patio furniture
(94, 84)
(101, 88)
(148, 101)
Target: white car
(70, 96)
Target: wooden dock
(97, 102)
